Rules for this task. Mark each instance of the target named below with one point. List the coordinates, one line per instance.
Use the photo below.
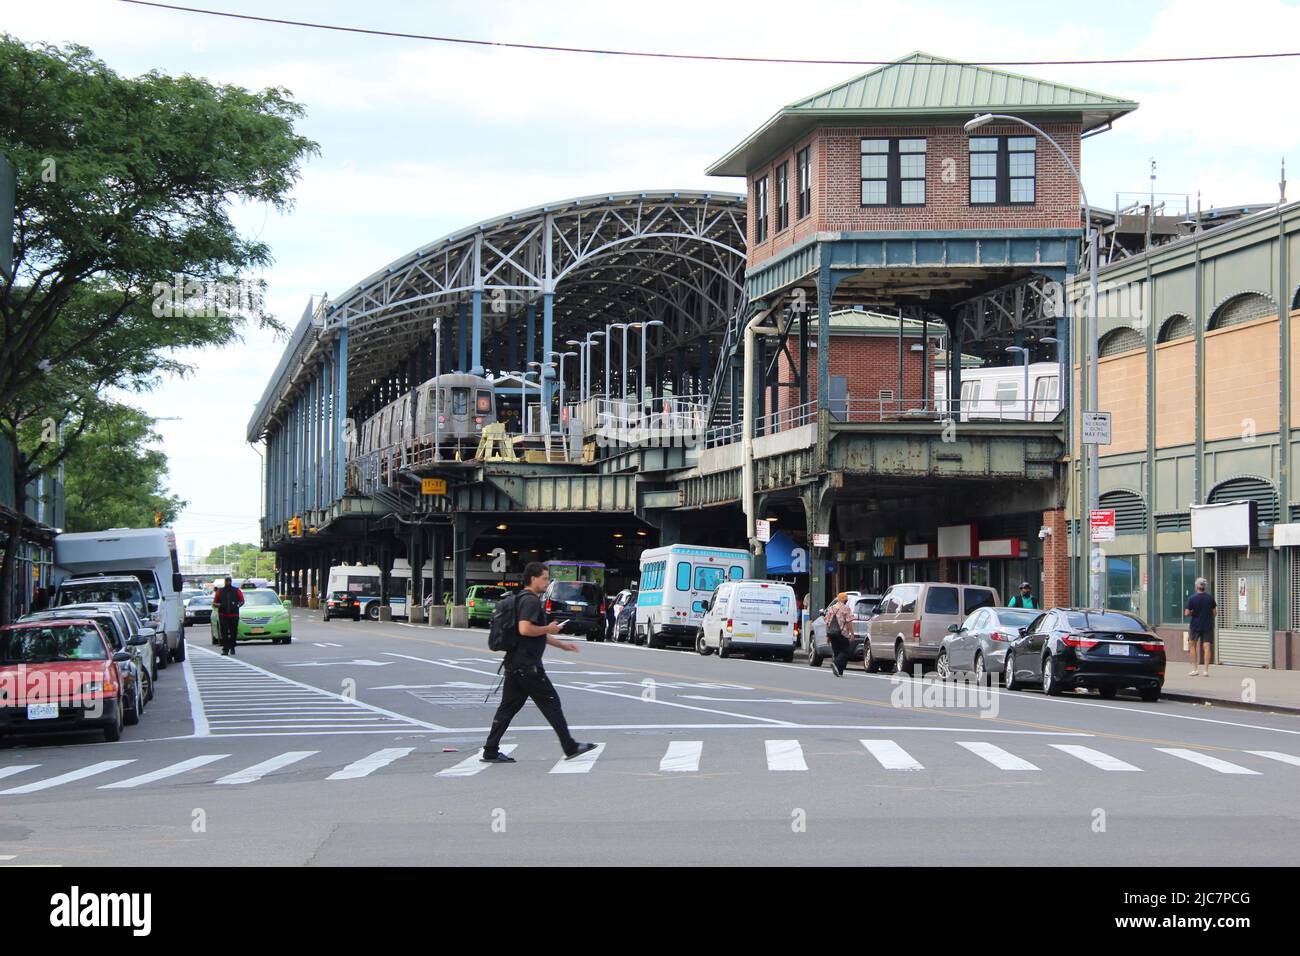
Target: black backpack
(503, 633)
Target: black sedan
(341, 604)
(198, 609)
(1067, 648)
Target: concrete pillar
(415, 554)
(439, 558)
(462, 541)
(385, 581)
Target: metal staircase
(721, 411)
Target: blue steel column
(512, 337)
(548, 319)
(476, 363)
(824, 291)
(530, 342)
(340, 409)
(462, 314)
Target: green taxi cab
(262, 618)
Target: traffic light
(295, 527)
(157, 519)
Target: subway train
(464, 404)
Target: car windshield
(201, 600)
(261, 599)
(1014, 617)
(1103, 621)
(574, 591)
(102, 592)
(44, 645)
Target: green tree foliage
(115, 480)
(248, 561)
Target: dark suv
(582, 602)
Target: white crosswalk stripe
(995, 755)
(259, 770)
(177, 768)
(368, 765)
(682, 756)
(95, 768)
(1205, 760)
(891, 756)
(17, 768)
(785, 755)
(1274, 755)
(1095, 757)
(582, 764)
(472, 765)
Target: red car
(59, 675)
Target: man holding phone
(524, 676)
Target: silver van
(913, 621)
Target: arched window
(1295, 299)
(1242, 308)
(1130, 511)
(1119, 340)
(1248, 489)
(1177, 326)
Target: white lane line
(582, 764)
(472, 765)
(176, 768)
(95, 768)
(996, 755)
(682, 756)
(16, 768)
(196, 702)
(891, 756)
(368, 765)
(1274, 755)
(1205, 760)
(784, 755)
(259, 770)
(1095, 757)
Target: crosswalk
(679, 757)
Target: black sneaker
(581, 749)
(835, 666)
(497, 758)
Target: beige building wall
(1241, 380)
(1176, 393)
(1122, 386)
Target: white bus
(676, 583)
(146, 553)
(998, 393)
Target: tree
(123, 245)
(229, 553)
(115, 480)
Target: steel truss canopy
(673, 256)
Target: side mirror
(147, 631)
(954, 628)
(1023, 631)
(178, 582)
(121, 657)
(153, 606)
(139, 639)
(287, 603)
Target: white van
(148, 554)
(676, 583)
(750, 617)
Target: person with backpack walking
(226, 602)
(839, 632)
(519, 628)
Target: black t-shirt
(530, 649)
(1202, 607)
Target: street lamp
(563, 356)
(623, 377)
(1090, 236)
(645, 341)
(545, 410)
(591, 342)
(582, 363)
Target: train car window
(484, 404)
(460, 401)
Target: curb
(1227, 702)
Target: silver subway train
(454, 407)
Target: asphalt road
(357, 744)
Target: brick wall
(1241, 380)
(1056, 561)
(837, 187)
(1176, 393)
(1122, 384)
(869, 362)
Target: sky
(420, 139)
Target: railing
(768, 423)
(633, 421)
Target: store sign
(1000, 548)
(1096, 428)
(1102, 524)
(1228, 525)
(885, 547)
(433, 486)
(959, 541)
(918, 552)
(821, 540)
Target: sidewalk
(1252, 687)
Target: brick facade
(868, 362)
(1056, 561)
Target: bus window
(684, 576)
(363, 585)
(708, 577)
(737, 572)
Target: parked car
(134, 627)
(750, 617)
(579, 601)
(978, 645)
(481, 601)
(1085, 647)
(198, 609)
(65, 678)
(137, 685)
(913, 620)
(262, 618)
(341, 604)
(864, 608)
(624, 615)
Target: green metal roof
(921, 86)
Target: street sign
(763, 529)
(1096, 428)
(433, 486)
(1102, 523)
(821, 540)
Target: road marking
(891, 756)
(581, 764)
(176, 768)
(199, 719)
(682, 756)
(1274, 755)
(368, 765)
(996, 755)
(761, 700)
(357, 663)
(17, 768)
(1205, 760)
(95, 768)
(784, 755)
(325, 644)
(472, 765)
(259, 770)
(1095, 757)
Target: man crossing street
(226, 602)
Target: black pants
(229, 628)
(841, 648)
(522, 683)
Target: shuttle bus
(676, 584)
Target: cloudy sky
(419, 139)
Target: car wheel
(788, 656)
(132, 715)
(1051, 686)
(113, 732)
(869, 662)
(160, 660)
(902, 663)
(981, 675)
(723, 649)
(652, 639)
(178, 655)
(814, 659)
(149, 692)
(372, 612)
(703, 649)
(941, 665)
(1009, 673)
(1149, 695)
(1106, 693)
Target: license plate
(257, 630)
(576, 607)
(1120, 649)
(775, 628)
(42, 711)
